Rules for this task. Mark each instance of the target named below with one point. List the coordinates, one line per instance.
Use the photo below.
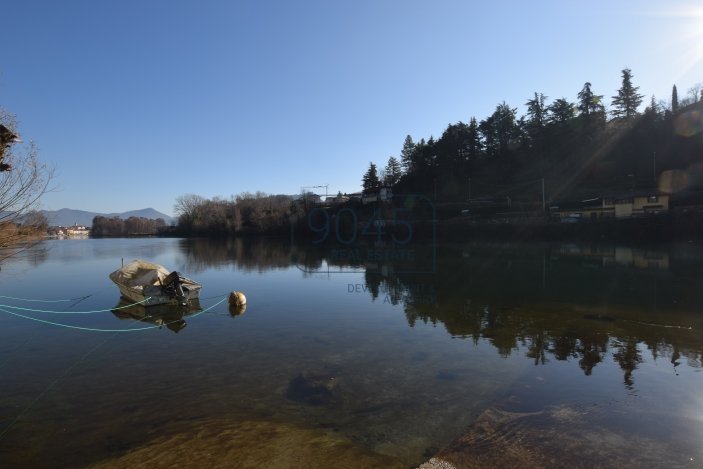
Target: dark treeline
(132, 226)
(558, 151)
(579, 148)
(244, 214)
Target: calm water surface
(369, 357)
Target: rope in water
(81, 359)
(93, 329)
(68, 300)
(65, 373)
(33, 310)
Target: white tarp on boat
(140, 273)
(151, 284)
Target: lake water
(364, 357)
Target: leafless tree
(187, 204)
(21, 188)
(245, 213)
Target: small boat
(151, 284)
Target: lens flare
(673, 181)
(689, 123)
(682, 34)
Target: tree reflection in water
(562, 302)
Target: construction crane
(303, 189)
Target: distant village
(75, 231)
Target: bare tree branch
(21, 188)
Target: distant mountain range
(70, 217)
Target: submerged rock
(312, 389)
(556, 436)
(247, 444)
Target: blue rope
(45, 301)
(74, 312)
(51, 385)
(92, 329)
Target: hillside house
(633, 204)
(383, 194)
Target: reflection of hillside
(254, 254)
(521, 299)
(261, 254)
(622, 256)
(566, 302)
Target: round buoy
(237, 298)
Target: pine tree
(591, 109)
(674, 100)
(473, 145)
(536, 111)
(370, 180)
(627, 101)
(560, 111)
(499, 129)
(590, 103)
(392, 172)
(407, 155)
(532, 125)
(652, 110)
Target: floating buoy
(237, 298)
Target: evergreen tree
(589, 103)
(453, 146)
(674, 100)
(526, 134)
(536, 112)
(370, 180)
(560, 111)
(653, 109)
(591, 109)
(420, 156)
(407, 155)
(473, 145)
(488, 136)
(626, 102)
(500, 129)
(428, 155)
(532, 125)
(392, 172)
(507, 129)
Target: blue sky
(136, 103)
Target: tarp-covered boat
(152, 284)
